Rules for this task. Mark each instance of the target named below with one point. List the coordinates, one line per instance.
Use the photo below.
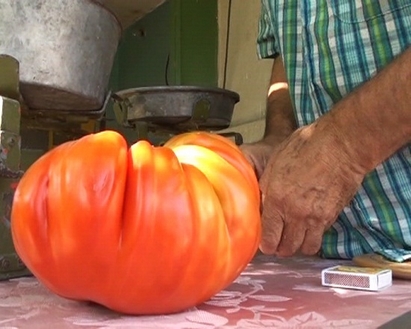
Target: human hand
(305, 185)
(258, 154)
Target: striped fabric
(329, 47)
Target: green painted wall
(175, 44)
(195, 47)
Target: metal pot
(180, 108)
(66, 50)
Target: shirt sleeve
(267, 46)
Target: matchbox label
(356, 269)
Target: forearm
(280, 121)
(375, 120)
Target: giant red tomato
(145, 230)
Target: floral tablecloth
(270, 293)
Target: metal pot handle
(120, 108)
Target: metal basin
(180, 108)
(66, 50)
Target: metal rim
(171, 89)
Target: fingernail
(267, 249)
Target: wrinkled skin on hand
(306, 183)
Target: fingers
(285, 233)
(284, 241)
(291, 240)
(284, 236)
(312, 241)
(272, 227)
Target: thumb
(252, 154)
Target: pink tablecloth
(270, 293)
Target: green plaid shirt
(329, 47)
